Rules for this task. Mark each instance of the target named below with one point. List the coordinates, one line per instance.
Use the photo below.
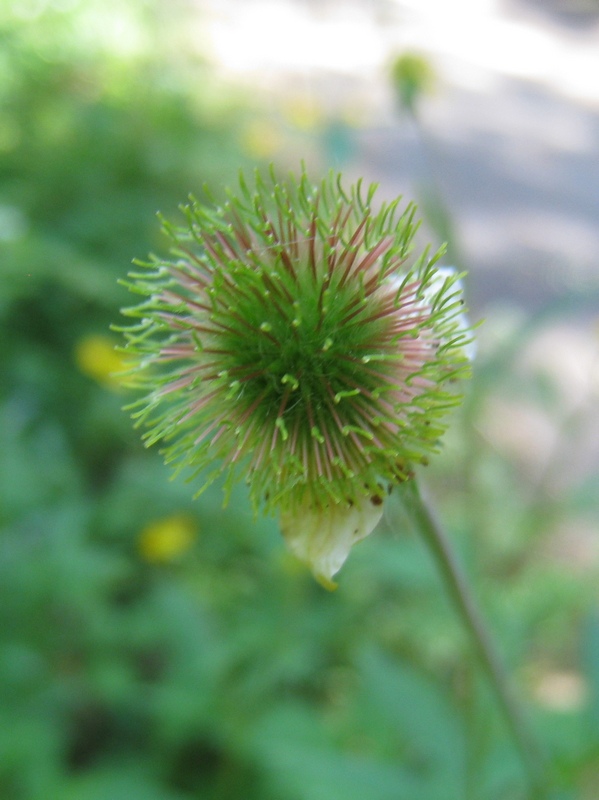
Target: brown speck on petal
(323, 537)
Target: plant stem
(459, 590)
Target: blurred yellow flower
(96, 357)
(261, 139)
(165, 539)
(303, 113)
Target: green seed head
(293, 341)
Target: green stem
(458, 588)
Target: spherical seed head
(293, 341)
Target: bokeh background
(153, 647)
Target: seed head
(293, 341)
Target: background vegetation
(156, 647)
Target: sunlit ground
(511, 124)
(473, 40)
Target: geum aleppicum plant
(293, 341)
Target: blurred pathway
(514, 140)
(513, 128)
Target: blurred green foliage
(212, 666)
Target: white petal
(323, 537)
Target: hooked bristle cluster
(290, 341)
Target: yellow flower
(96, 357)
(167, 538)
(261, 139)
(303, 113)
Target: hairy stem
(459, 590)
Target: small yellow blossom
(96, 357)
(166, 539)
(261, 139)
(303, 113)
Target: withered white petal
(323, 537)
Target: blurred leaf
(295, 751)
(117, 783)
(412, 709)
(590, 660)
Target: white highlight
(474, 41)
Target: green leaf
(417, 714)
(590, 662)
(302, 761)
